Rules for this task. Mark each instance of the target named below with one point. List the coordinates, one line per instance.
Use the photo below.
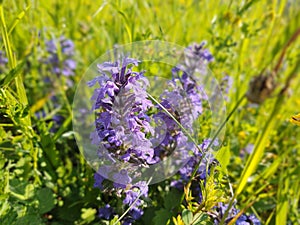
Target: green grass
(246, 39)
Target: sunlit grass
(246, 39)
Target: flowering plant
(140, 130)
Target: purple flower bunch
(121, 128)
(121, 106)
(184, 100)
(124, 129)
(61, 56)
(132, 198)
(186, 172)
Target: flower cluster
(121, 106)
(196, 55)
(196, 59)
(184, 99)
(61, 56)
(121, 129)
(124, 129)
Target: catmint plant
(130, 127)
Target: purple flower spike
(61, 63)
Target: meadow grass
(246, 39)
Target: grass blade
(13, 73)
(259, 147)
(282, 199)
(18, 19)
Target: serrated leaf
(46, 200)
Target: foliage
(43, 177)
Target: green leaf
(88, 215)
(46, 200)
(223, 157)
(31, 218)
(49, 149)
(8, 215)
(172, 199)
(202, 219)
(161, 217)
(282, 206)
(259, 147)
(17, 19)
(148, 215)
(13, 73)
(114, 221)
(187, 216)
(62, 129)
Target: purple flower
(3, 59)
(130, 196)
(106, 212)
(132, 193)
(247, 220)
(123, 112)
(51, 47)
(136, 213)
(101, 175)
(98, 181)
(122, 103)
(61, 63)
(67, 46)
(196, 59)
(128, 221)
(121, 178)
(207, 142)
